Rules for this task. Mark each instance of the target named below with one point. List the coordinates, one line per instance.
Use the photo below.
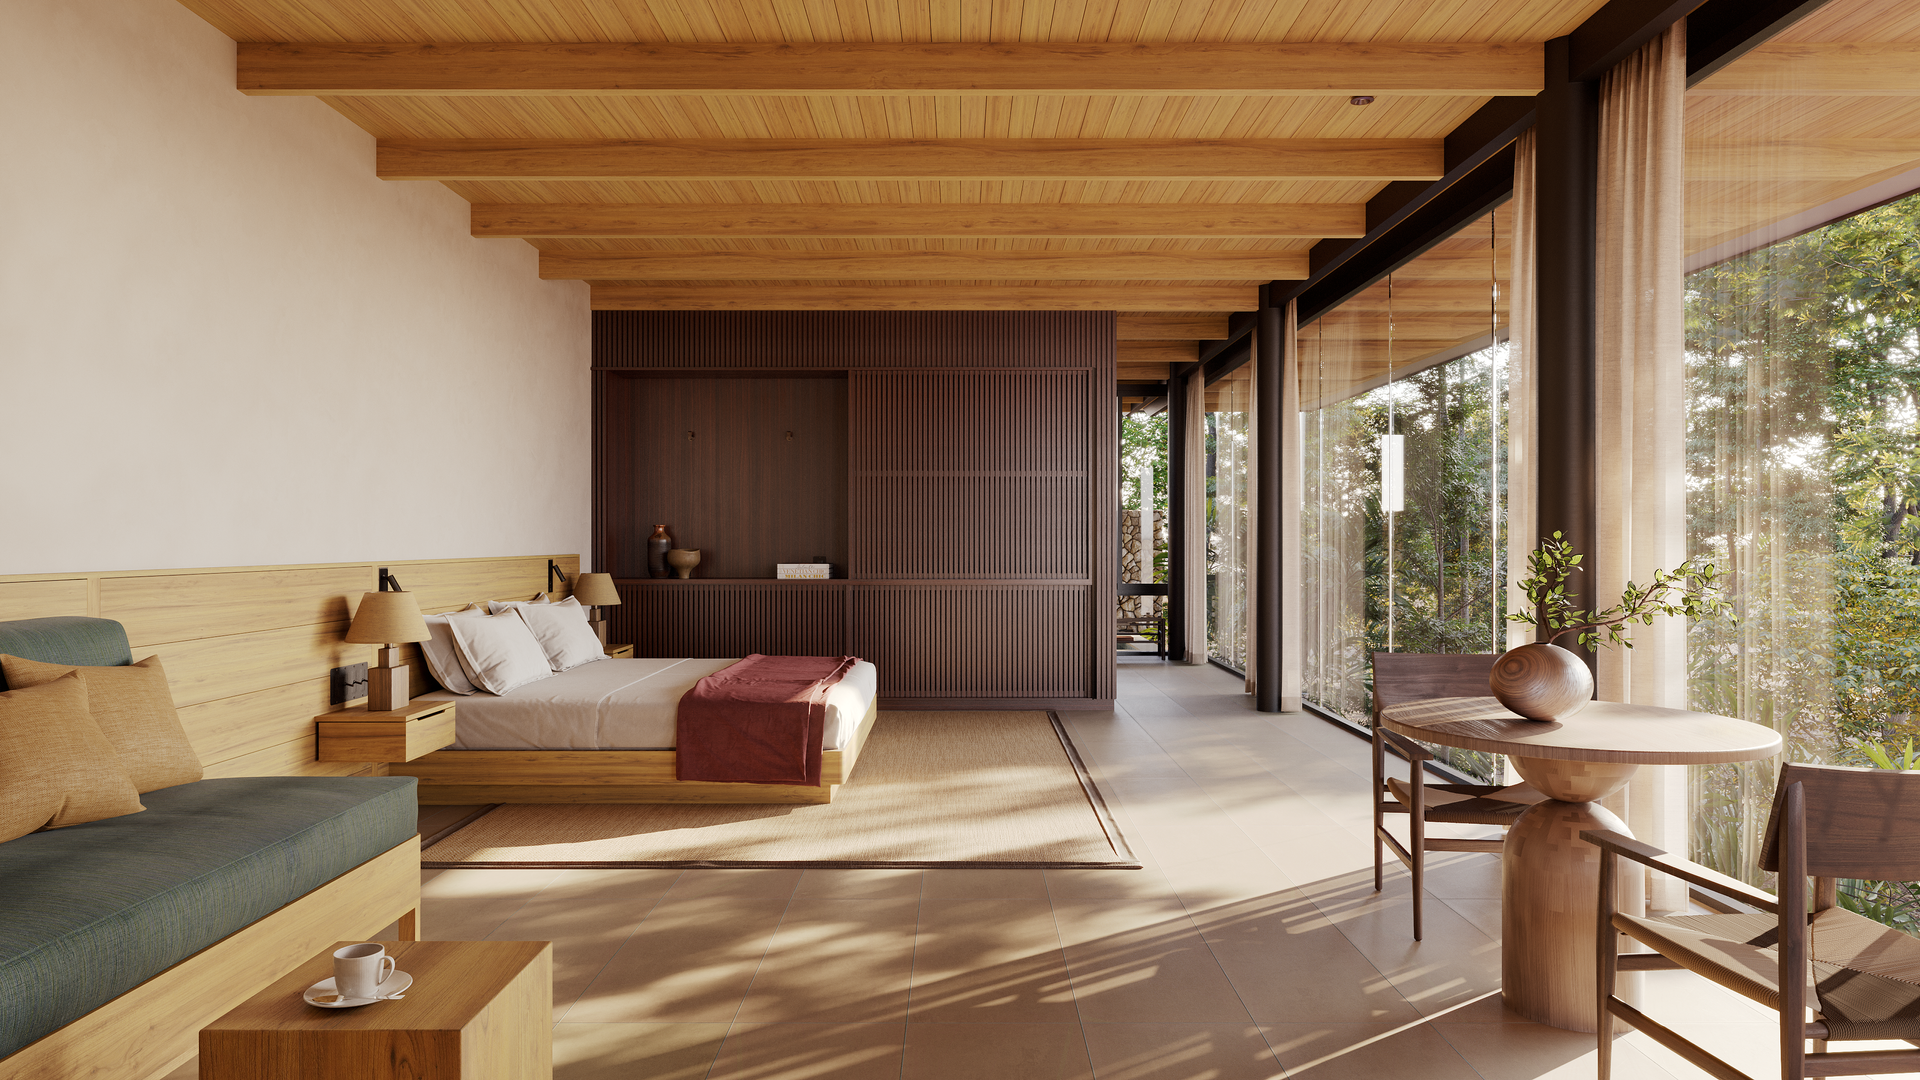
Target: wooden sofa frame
(469, 777)
(153, 1028)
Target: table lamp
(596, 590)
(386, 618)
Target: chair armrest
(1403, 746)
(1646, 854)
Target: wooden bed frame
(468, 777)
(149, 1030)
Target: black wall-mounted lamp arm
(553, 568)
(389, 583)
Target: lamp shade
(596, 589)
(385, 618)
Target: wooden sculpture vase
(1541, 681)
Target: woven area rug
(931, 789)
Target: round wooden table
(1549, 877)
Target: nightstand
(400, 735)
(620, 652)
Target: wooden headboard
(248, 649)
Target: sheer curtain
(1193, 522)
(1523, 423)
(1640, 389)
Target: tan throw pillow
(133, 708)
(55, 766)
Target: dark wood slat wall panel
(839, 340)
(972, 422)
(948, 526)
(761, 480)
(979, 487)
(970, 474)
(715, 619)
(975, 642)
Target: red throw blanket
(759, 721)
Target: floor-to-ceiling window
(1403, 527)
(1803, 452)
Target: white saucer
(395, 985)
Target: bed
(603, 733)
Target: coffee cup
(360, 970)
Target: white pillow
(566, 637)
(495, 607)
(498, 652)
(443, 659)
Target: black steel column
(1566, 181)
(1271, 428)
(1176, 515)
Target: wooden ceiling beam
(1141, 372)
(590, 221)
(1265, 69)
(1170, 327)
(802, 297)
(924, 265)
(908, 159)
(1157, 352)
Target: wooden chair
(1860, 978)
(1403, 677)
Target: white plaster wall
(224, 341)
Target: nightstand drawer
(620, 652)
(400, 735)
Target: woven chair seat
(1468, 804)
(1865, 976)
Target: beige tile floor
(1252, 945)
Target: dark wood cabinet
(958, 468)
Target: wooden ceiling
(1158, 157)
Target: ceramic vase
(683, 560)
(657, 547)
(1541, 681)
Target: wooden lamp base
(387, 681)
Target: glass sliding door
(1403, 528)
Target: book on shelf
(802, 570)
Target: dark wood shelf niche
(751, 471)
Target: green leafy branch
(1691, 589)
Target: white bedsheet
(620, 705)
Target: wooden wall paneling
(220, 667)
(951, 641)
(41, 598)
(296, 758)
(980, 449)
(723, 619)
(230, 727)
(842, 340)
(446, 584)
(751, 471)
(970, 474)
(162, 608)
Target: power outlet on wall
(347, 684)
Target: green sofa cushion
(66, 639)
(90, 911)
